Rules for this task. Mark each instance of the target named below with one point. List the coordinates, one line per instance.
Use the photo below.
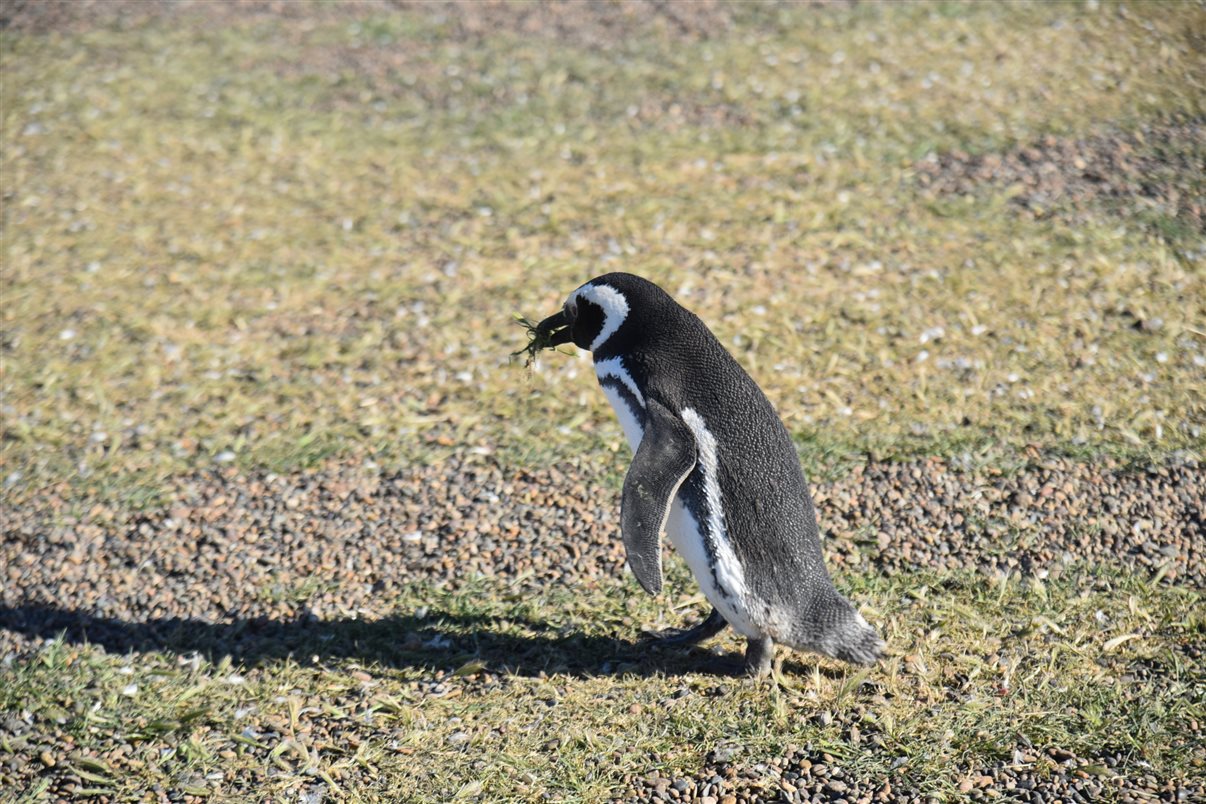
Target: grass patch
(276, 243)
(512, 696)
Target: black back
(676, 360)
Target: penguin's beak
(556, 329)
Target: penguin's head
(594, 313)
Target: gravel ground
(276, 551)
(237, 545)
(801, 775)
(1155, 169)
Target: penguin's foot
(689, 636)
(759, 654)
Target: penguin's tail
(849, 637)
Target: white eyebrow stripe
(614, 305)
(614, 367)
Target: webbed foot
(709, 628)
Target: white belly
(685, 535)
(628, 420)
(684, 530)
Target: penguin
(714, 467)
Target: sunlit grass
(280, 242)
(551, 693)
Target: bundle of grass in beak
(544, 335)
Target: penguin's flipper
(662, 462)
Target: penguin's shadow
(427, 641)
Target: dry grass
(222, 242)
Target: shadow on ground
(430, 641)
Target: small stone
(725, 753)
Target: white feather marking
(724, 582)
(614, 306)
(627, 416)
(614, 367)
